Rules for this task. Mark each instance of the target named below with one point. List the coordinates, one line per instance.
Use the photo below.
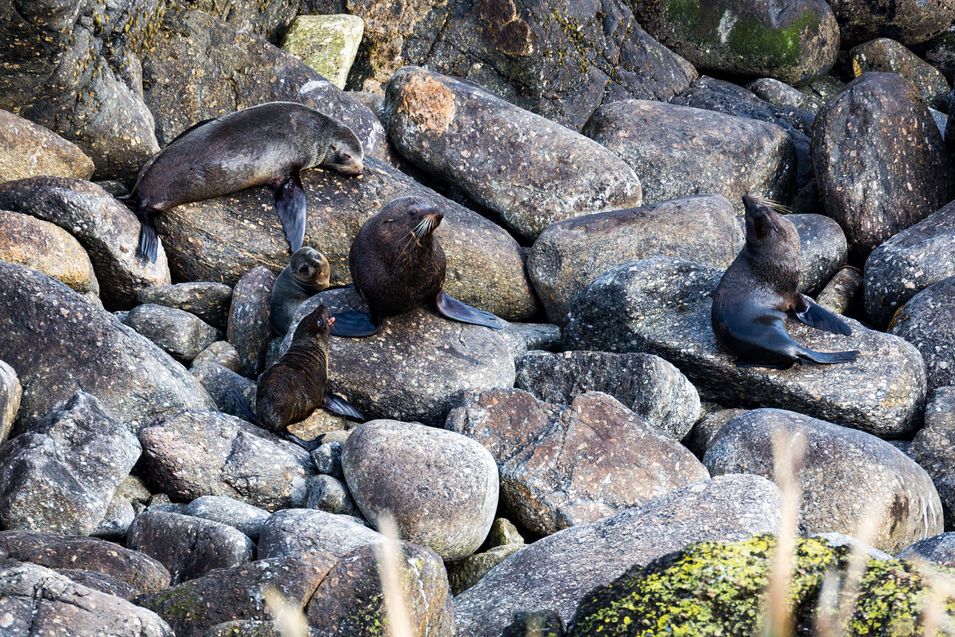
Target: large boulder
(390, 468)
(569, 255)
(62, 473)
(822, 249)
(844, 476)
(107, 230)
(415, 367)
(891, 172)
(908, 21)
(888, 56)
(59, 344)
(934, 447)
(909, 262)
(197, 453)
(300, 531)
(557, 571)
(562, 466)
(249, 328)
(529, 170)
(10, 394)
(792, 43)
(29, 150)
(268, 19)
(927, 321)
(181, 334)
(654, 389)
(679, 151)
(662, 306)
(223, 238)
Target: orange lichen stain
(428, 103)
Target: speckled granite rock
(208, 300)
(10, 394)
(225, 510)
(888, 56)
(181, 334)
(30, 150)
(222, 353)
(248, 327)
(508, 153)
(934, 447)
(927, 321)
(662, 306)
(822, 249)
(303, 531)
(939, 549)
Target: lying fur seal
(306, 274)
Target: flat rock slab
(679, 151)
(207, 453)
(845, 476)
(107, 229)
(391, 468)
(662, 306)
(927, 321)
(59, 344)
(909, 262)
(891, 172)
(654, 389)
(416, 367)
(570, 254)
(299, 531)
(562, 466)
(30, 150)
(223, 238)
(556, 572)
(522, 166)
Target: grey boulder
(10, 394)
(206, 299)
(179, 333)
(249, 329)
(934, 447)
(298, 531)
(225, 510)
(822, 249)
(927, 321)
(939, 549)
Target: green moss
(751, 39)
(176, 605)
(716, 588)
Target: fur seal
(758, 290)
(263, 145)
(397, 264)
(295, 386)
(306, 274)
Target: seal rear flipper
(340, 406)
(148, 241)
(829, 358)
(290, 205)
(452, 308)
(307, 445)
(355, 324)
(814, 315)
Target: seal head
(306, 274)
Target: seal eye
(389, 221)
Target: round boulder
(928, 322)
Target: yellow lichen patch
(428, 103)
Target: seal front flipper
(829, 358)
(355, 324)
(340, 406)
(814, 315)
(450, 307)
(290, 205)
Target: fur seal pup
(757, 291)
(306, 275)
(263, 145)
(295, 386)
(397, 264)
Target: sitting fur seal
(295, 386)
(263, 145)
(306, 274)
(397, 265)
(758, 290)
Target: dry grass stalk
(290, 620)
(389, 568)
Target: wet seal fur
(265, 145)
(296, 385)
(760, 288)
(397, 264)
(306, 274)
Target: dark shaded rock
(302, 531)
(842, 290)
(246, 628)
(940, 52)
(391, 467)
(908, 21)
(29, 150)
(222, 353)
(326, 493)
(328, 459)
(679, 151)
(508, 153)
(844, 476)
(242, 231)
(522, 337)
(207, 453)
(894, 151)
(416, 367)
(792, 43)
(207, 300)
(268, 19)
(10, 394)
(62, 473)
(939, 549)
(225, 510)
(654, 389)
(934, 448)
(569, 255)
(37, 601)
(822, 249)
(888, 56)
(557, 571)
(119, 515)
(181, 334)
(538, 623)
(233, 394)
(189, 547)
(104, 227)
(249, 329)
(782, 95)
(705, 431)
(662, 306)
(74, 69)
(59, 343)
(563, 466)
(137, 571)
(927, 321)
(465, 573)
(198, 68)
(909, 262)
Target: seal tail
(829, 358)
